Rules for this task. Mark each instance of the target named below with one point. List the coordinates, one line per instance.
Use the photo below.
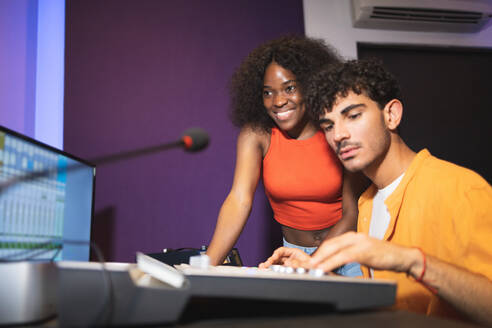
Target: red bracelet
(421, 278)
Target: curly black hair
(301, 55)
(360, 76)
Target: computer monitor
(46, 201)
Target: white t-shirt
(380, 217)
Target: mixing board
(280, 283)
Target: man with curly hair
(423, 222)
(310, 196)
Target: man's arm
(468, 292)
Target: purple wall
(18, 27)
(141, 72)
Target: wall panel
(141, 72)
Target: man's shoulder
(438, 172)
(434, 177)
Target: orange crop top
(303, 181)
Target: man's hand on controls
(291, 257)
(350, 247)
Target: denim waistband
(307, 250)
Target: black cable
(109, 299)
(184, 249)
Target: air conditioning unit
(457, 16)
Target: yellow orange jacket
(444, 209)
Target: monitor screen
(46, 201)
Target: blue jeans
(351, 269)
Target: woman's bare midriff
(305, 238)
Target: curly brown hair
(301, 55)
(360, 76)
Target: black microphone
(195, 139)
(192, 140)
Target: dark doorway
(447, 96)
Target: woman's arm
(353, 186)
(237, 206)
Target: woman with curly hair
(303, 179)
